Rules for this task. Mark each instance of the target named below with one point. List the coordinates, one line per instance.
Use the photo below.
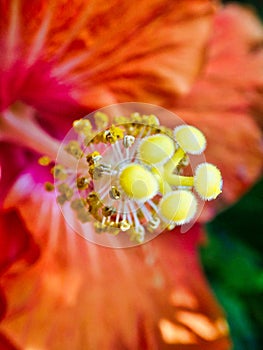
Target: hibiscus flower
(62, 60)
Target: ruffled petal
(149, 297)
(224, 100)
(98, 53)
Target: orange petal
(147, 51)
(223, 101)
(148, 297)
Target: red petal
(15, 241)
(5, 343)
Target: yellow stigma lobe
(138, 183)
(208, 181)
(190, 139)
(156, 149)
(178, 207)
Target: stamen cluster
(130, 175)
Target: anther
(124, 225)
(73, 148)
(128, 141)
(44, 161)
(82, 183)
(153, 223)
(101, 120)
(112, 135)
(93, 158)
(59, 172)
(142, 185)
(77, 204)
(114, 193)
(49, 186)
(83, 126)
(65, 190)
(108, 211)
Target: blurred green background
(233, 262)
(233, 259)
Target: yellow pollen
(112, 135)
(101, 120)
(82, 126)
(59, 172)
(44, 161)
(138, 183)
(74, 149)
(49, 186)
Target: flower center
(130, 175)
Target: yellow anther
(73, 148)
(82, 183)
(99, 227)
(101, 120)
(61, 199)
(150, 120)
(94, 203)
(178, 207)
(190, 139)
(128, 141)
(94, 175)
(113, 230)
(137, 234)
(114, 193)
(44, 161)
(156, 149)
(108, 211)
(113, 134)
(153, 224)
(121, 119)
(124, 225)
(208, 181)
(83, 215)
(88, 139)
(59, 172)
(77, 204)
(97, 170)
(49, 186)
(136, 118)
(83, 126)
(65, 190)
(93, 157)
(138, 183)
